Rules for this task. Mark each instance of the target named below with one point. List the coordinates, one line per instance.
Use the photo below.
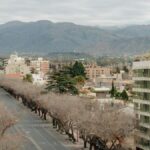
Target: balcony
(141, 90)
(142, 140)
(141, 78)
(141, 101)
(141, 65)
(143, 135)
(143, 109)
(146, 125)
(143, 113)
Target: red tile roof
(16, 75)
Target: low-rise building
(101, 92)
(38, 80)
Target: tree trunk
(45, 115)
(90, 146)
(72, 132)
(85, 143)
(77, 135)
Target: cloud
(86, 12)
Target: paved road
(38, 133)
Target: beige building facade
(141, 77)
(93, 71)
(40, 65)
(16, 66)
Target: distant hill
(69, 56)
(45, 37)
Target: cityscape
(74, 75)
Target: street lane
(37, 132)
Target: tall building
(141, 89)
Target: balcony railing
(141, 78)
(137, 111)
(141, 74)
(143, 135)
(141, 90)
(145, 110)
(143, 101)
(142, 86)
(146, 125)
(141, 65)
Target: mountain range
(45, 37)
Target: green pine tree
(113, 90)
(68, 79)
(28, 78)
(78, 69)
(124, 95)
(62, 83)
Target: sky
(84, 12)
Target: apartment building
(141, 89)
(16, 67)
(40, 65)
(93, 71)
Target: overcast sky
(85, 12)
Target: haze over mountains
(46, 37)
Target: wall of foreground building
(141, 89)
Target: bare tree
(108, 128)
(7, 141)
(102, 127)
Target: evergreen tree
(118, 95)
(113, 90)
(125, 69)
(124, 95)
(28, 78)
(68, 79)
(117, 70)
(78, 69)
(79, 80)
(61, 82)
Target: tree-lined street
(36, 132)
(70, 115)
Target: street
(38, 134)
